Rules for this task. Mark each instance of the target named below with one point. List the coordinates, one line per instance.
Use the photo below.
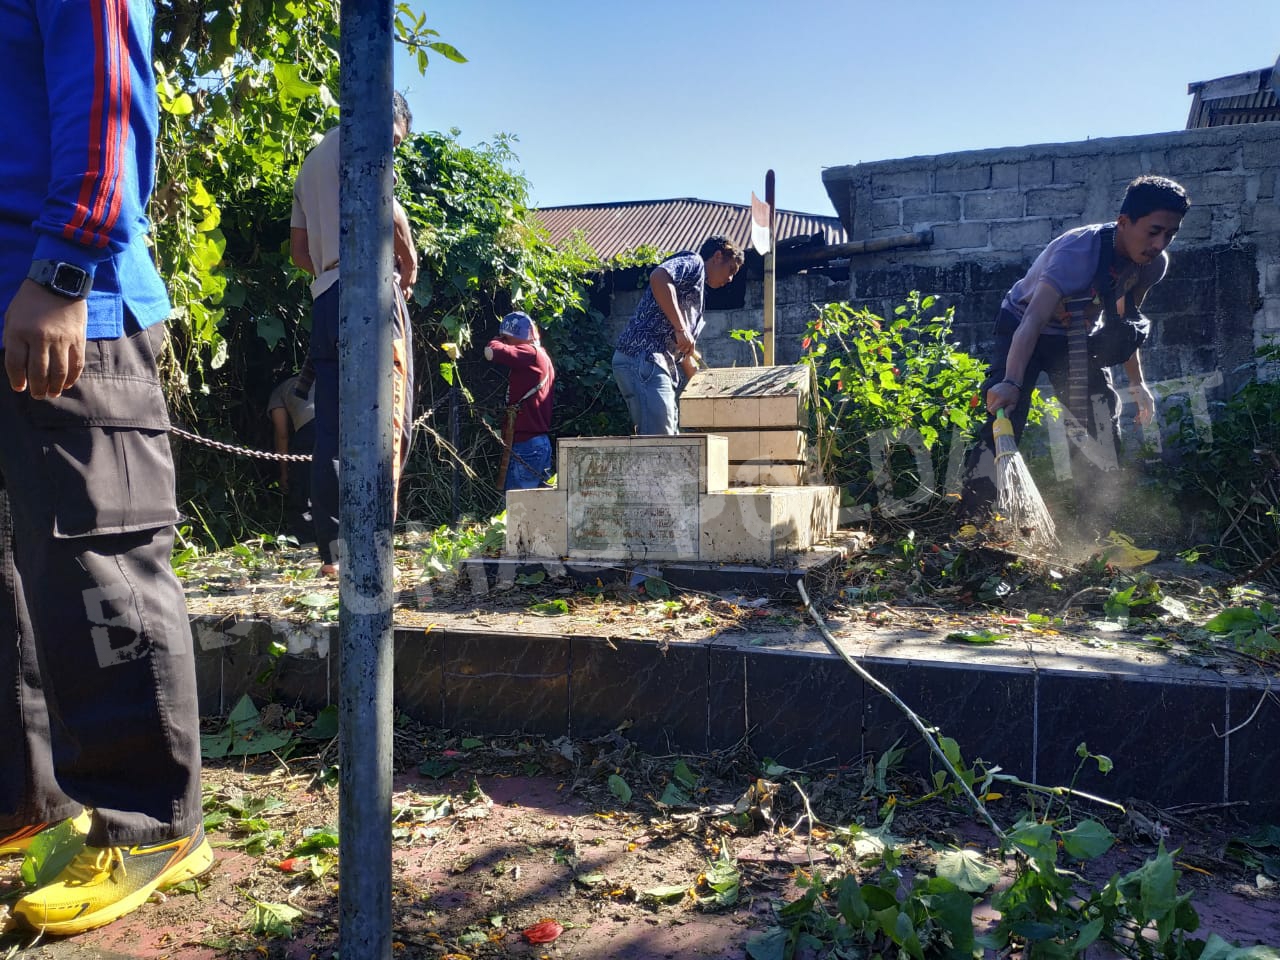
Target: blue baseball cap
(518, 325)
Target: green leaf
(289, 78)
(531, 579)
(470, 743)
(1035, 840)
(1233, 619)
(684, 776)
(770, 945)
(448, 51)
(321, 840)
(435, 768)
(179, 106)
(618, 787)
(558, 607)
(1087, 840)
(244, 712)
(673, 796)
(657, 588)
(272, 919)
(665, 894)
(983, 636)
(325, 726)
(50, 851)
(317, 601)
(967, 871)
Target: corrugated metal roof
(671, 225)
(1239, 98)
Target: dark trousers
(297, 502)
(1093, 472)
(99, 700)
(324, 455)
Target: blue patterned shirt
(649, 333)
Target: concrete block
(536, 524)
(763, 526)
(1004, 175)
(775, 446)
(1202, 159)
(1127, 166)
(1073, 169)
(902, 183)
(962, 177)
(937, 208)
(698, 413)
(1216, 188)
(1260, 153)
(1056, 202)
(1035, 173)
(961, 236)
(886, 213)
(1271, 285)
(1018, 236)
(1196, 224)
(741, 413)
(994, 205)
(765, 473)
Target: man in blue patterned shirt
(660, 341)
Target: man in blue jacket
(98, 710)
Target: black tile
(1159, 735)
(304, 681)
(726, 697)
(419, 682)
(986, 711)
(1255, 753)
(504, 683)
(802, 708)
(660, 694)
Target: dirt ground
(493, 837)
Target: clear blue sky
(613, 100)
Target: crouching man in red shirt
(526, 454)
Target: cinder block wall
(991, 211)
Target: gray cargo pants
(99, 704)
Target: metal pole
(366, 588)
(770, 276)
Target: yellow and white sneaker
(102, 884)
(19, 841)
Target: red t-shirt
(529, 363)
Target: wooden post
(770, 276)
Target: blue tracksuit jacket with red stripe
(78, 117)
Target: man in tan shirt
(313, 243)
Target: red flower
(542, 932)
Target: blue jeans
(530, 465)
(649, 392)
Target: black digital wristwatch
(64, 279)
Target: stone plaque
(749, 382)
(747, 398)
(633, 499)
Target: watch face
(68, 280)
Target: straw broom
(1017, 498)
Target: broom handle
(1078, 372)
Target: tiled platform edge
(1165, 731)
